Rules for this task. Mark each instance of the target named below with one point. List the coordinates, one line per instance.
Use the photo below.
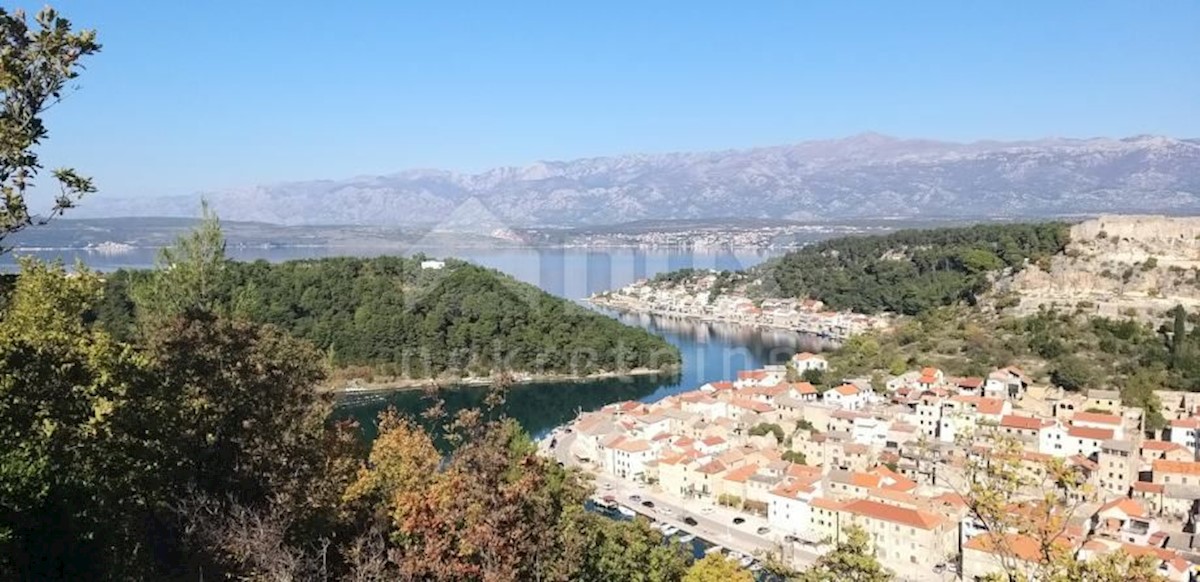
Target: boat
(670, 530)
(604, 503)
(746, 561)
(625, 511)
(714, 550)
(687, 539)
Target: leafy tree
(614, 550)
(1073, 373)
(795, 457)
(814, 376)
(765, 428)
(72, 483)
(37, 62)
(1009, 501)
(717, 568)
(851, 560)
(190, 276)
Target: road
(714, 523)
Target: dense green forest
(389, 314)
(909, 271)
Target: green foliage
(388, 313)
(1073, 373)
(851, 560)
(813, 376)
(795, 457)
(190, 275)
(765, 428)
(616, 550)
(717, 568)
(37, 63)
(910, 271)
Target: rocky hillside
(1118, 265)
(867, 176)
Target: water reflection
(711, 352)
(538, 407)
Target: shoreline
(628, 309)
(410, 384)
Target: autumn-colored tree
(1019, 503)
(717, 568)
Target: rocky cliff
(1118, 266)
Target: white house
(805, 361)
(1186, 432)
(433, 264)
(1008, 383)
(629, 458)
(847, 397)
(788, 507)
(1096, 420)
(870, 431)
(1085, 440)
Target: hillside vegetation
(387, 311)
(391, 316)
(909, 271)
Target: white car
(666, 510)
(707, 509)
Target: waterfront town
(766, 464)
(702, 298)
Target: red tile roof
(1130, 507)
(740, 474)
(1087, 432)
(1184, 467)
(1191, 422)
(901, 515)
(1096, 418)
(970, 382)
(847, 390)
(1148, 487)
(1023, 422)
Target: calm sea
(711, 351)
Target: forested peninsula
(395, 318)
(909, 271)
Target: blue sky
(245, 92)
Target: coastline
(409, 384)
(622, 307)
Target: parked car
(666, 510)
(689, 520)
(791, 539)
(648, 503)
(635, 498)
(707, 509)
(762, 531)
(739, 520)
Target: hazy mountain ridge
(864, 176)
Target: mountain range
(864, 176)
